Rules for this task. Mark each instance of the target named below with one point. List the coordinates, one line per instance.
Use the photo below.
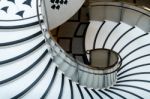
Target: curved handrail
(123, 5)
(83, 67)
(110, 66)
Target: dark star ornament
(5, 9)
(12, 1)
(20, 13)
(28, 2)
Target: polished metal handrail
(123, 5)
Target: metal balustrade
(45, 70)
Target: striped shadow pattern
(28, 70)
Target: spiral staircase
(33, 65)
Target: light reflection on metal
(146, 8)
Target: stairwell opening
(95, 68)
(102, 58)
